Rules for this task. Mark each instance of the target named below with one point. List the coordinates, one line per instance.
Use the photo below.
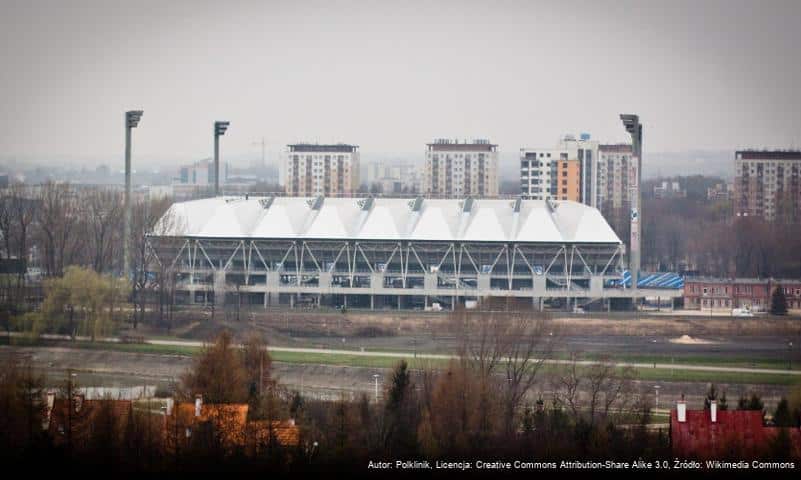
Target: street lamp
(132, 118)
(219, 130)
(789, 355)
(375, 376)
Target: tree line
(60, 228)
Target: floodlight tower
(219, 130)
(132, 118)
(632, 124)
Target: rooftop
(616, 147)
(699, 437)
(392, 219)
(768, 154)
(322, 148)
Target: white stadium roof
(471, 220)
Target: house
(725, 434)
(226, 426)
(82, 423)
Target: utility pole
(132, 118)
(219, 130)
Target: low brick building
(708, 293)
(716, 434)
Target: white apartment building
(767, 185)
(328, 170)
(564, 172)
(454, 169)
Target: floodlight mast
(634, 128)
(219, 130)
(132, 118)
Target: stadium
(384, 253)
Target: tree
(712, 394)
(257, 363)
(399, 413)
(149, 216)
(594, 395)
(782, 416)
(87, 300)
(778, 301)
(218, 373)
(530, 343)
(57, 219)
(754, 402)
(104, 226)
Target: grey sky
(390, 76)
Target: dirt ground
(197, 324)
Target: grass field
(380, 361)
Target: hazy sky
(392, 75)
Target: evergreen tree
(778, 302)
(711, 394)
(754, 402)
(723, 404)
(782, 416)
(399, 431)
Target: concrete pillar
(291, 300)
(399, 302)
(372, 302)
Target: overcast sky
(392, 75)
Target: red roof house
(725, 434)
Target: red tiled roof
(86, 417)
(735, 433)
(285, 432)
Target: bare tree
(595, 392)
(531, 341)
(56, 218)
(104, 222)
(147, 216)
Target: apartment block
(200, 173)
(566, 172)
(615, 169)
(766, 184)
(456, 170)
(719, 192)
(315, 169)
(393, 177)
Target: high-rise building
(199, 173)
(313, 169)
(566, 172)
(766, 184)
(393, 177)
(454, 169)
(615, 169)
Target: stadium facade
(387, 252)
